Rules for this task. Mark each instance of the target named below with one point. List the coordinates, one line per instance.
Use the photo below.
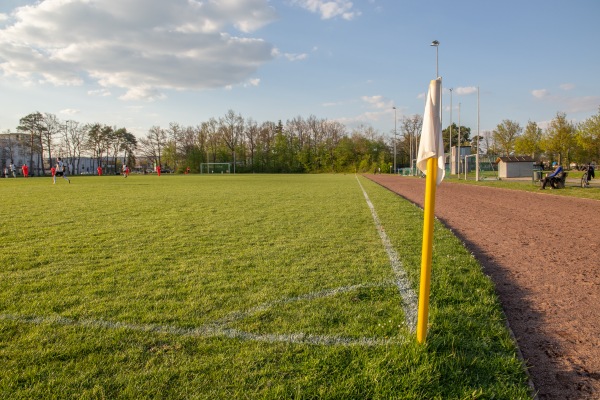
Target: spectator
(554, 177)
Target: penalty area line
(220, 328)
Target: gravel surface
(541, 251)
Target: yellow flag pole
(430, 186)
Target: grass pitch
(246, 286)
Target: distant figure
(187, 170)
(591, 172)
(124, 170)
(53, 172)
(99, 169)
(158, 170)
(12, 170)
(61, 170)
(554, 177)
(25, 170)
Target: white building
(17, 148)
(515, 167)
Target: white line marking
(220, 327)
(410, 299)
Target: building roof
(509, 159)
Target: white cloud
(142, 47)
(463, 91)
(583, 104)
(540, 93)
(69, 111)
(568, 104)
(567, 86)
(99, 92)
(378, 102)
(329, 9)
(296, 57)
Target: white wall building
(16, 148)
(515, 167)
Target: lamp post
(450, 135)
(394, 139)
(436, 44)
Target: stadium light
(436, 44)
(394, 107)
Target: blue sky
(143, 63)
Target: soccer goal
(215, 168)
(487, 167)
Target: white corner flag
(431, 152)
(432, 144)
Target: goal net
(488, 169)
(215, 168)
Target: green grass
(572, 189)
(247, 286)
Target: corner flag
(430, 160)
(431, 144)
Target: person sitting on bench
(554, 177)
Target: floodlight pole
(450, 135)
(477, 144)
(436, 44)
(394, 139)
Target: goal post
(480, 168)
(215, 168)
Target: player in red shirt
(99, 169)
(158, 170)
(25, 170)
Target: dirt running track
(550, 295)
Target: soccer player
(61, 170)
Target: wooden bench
(559, 183)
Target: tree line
(301, 145)
(50, 137)
(562, 140)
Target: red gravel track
(541, 251)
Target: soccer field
(237, 286)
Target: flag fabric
(432, 144)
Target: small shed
(515, 166)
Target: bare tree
(153, 144)
(32, 123)
(52, 127)
(231, 128)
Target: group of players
(60, 169)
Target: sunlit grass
(222, 286)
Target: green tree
(588, 139)
(462, 131)
(559, 139)
(530, 142)
(506, 134)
